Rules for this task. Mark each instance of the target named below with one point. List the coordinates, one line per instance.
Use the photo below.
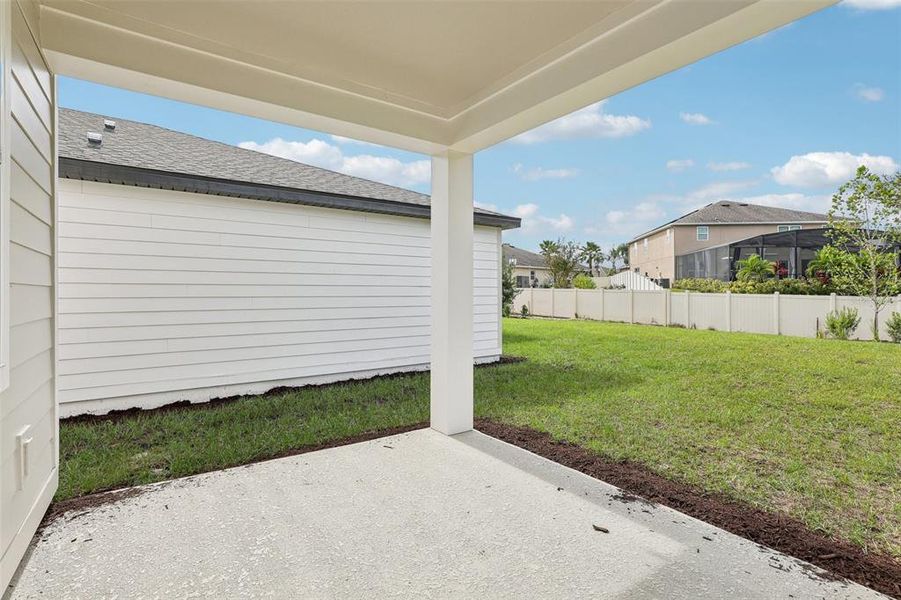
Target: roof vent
(109, 125)
(95, 139)
(725, 204)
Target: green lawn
(808, 427)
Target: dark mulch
(780, 532)
(118, 415)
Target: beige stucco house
(529, 268)
(654, 252)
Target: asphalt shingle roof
(145, 146)
(523, 258)
(719, 213)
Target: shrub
(701, 285)
(755, 268)
(584, 282)
(841, 323)
(894, 327)
(524, 312)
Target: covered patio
(418, 514)
(442, 512)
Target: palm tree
(548, 248)
(755, 268)
(592, 254)
(617, 253)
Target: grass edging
(780, 532)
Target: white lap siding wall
(168, 296)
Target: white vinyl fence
(779, 314)
(633, 281)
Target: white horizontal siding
(29, 400)
(163, 291)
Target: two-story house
(654, 253)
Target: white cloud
(872, 4)
(533, 221)
(823, 169)
(536, 173)
(322, 154)
(695, 118)
(588, 122)
(868, 93)
(677, 166)
(728, 166)
(718, 189)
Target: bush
(841, 323)
(524, 312)
(584, 282)
(701, 285)
(804, 287)
(894, 327)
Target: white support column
(452, 258)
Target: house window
(522, 281)
(782, 228)
(703, 233)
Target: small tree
(755, 268)
(866, 216)
(584, 282)
(618, 253)
(508, 288)
(562, 260)
(593, 255)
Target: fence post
(553, 302)
(631, 305)
(667, 307)
(776, 313)
(687, 309)
(832, 302)
(728, 311)
(576, 304)
(603, 316)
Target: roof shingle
(145, 146)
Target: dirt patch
(118, 415)
(780, 532)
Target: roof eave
(86, 170)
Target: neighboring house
(529, 268)
(656, 253)
(190, 269)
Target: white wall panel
(165, 292)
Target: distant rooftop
(144, 152)
(740, 213)
(523, 258)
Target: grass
(811, 428)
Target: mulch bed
(780, 532)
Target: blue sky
(781, 120)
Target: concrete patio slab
(417, 514)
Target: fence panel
(709, 311)
(564, 303)
(649, 307)
(591, 304)
(616, 305)
(752, 313)
(801, 315)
